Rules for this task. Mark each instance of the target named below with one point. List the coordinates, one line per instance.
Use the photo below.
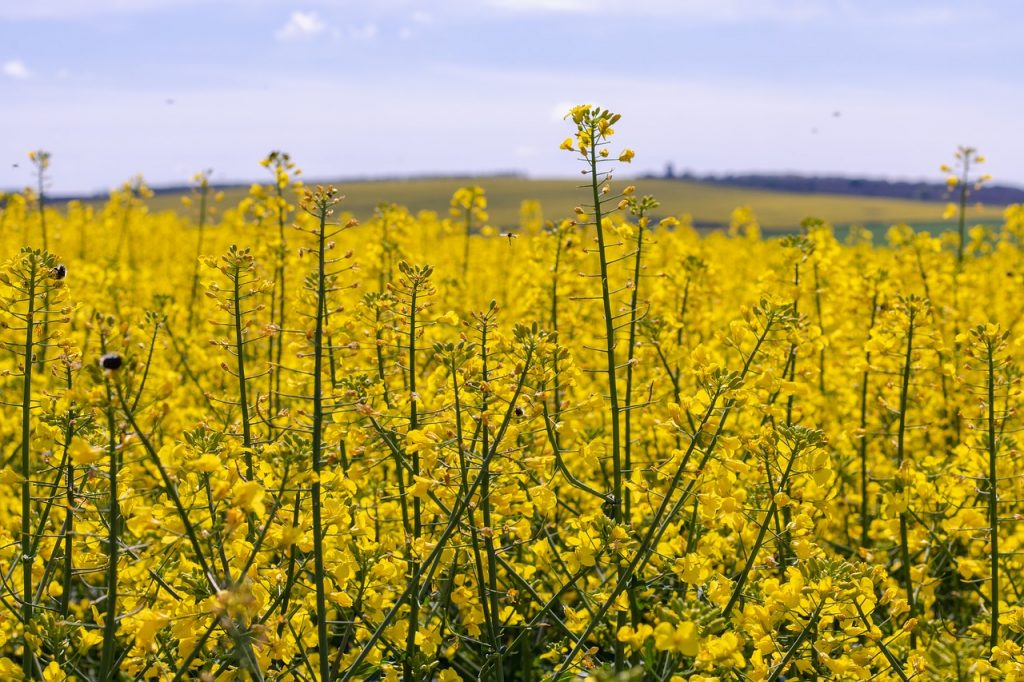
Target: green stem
(466, 240)
(485, 503)
(40, 177)
(609, 330)
(69, 531)
(379, 348)
(243, 399)
(26, 483)
(627, 456)
(865, 523)
(318, 416)
(108, 662)
(821, 326)
(414, 568)
(900, 451)
(42, 226)
(962, 218)
(993, 500)
(204, 191)
(280, 279)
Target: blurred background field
(709, 206)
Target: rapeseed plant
(605, 446)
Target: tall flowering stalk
(240, 301)
(279, 210)
(201, 194)
(593, 134)
(321, 203)
(468, 204)
(34, 282)
(960, 181)
(987, 348)
(41, 161)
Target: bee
(111, 361)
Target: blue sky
(400, 87)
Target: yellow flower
(88, 638)
(421, 487)
(53, 673)
(682, 638)
(82, 453)
(635, 638)
(578, 113)
(248, 496)
(207, 463)
(148, 624)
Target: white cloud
(419, 19)
(16, 68)
(301, 25)
(364, 32)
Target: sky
(382, 88)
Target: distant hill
(709, 204)
(823, 184)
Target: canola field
(276, 441)
(708, 205)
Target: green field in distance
(709, 205)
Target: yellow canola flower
(207, 464)
(635, 637)
(89, 638)
(146, 624)
(248, 496)
(682, 638)
(82, 453)
(53, 673)
(8, 476)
